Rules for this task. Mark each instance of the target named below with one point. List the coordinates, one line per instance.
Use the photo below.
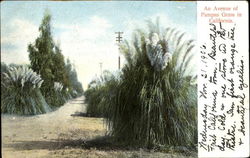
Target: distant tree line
(46, 59)
(58, 77)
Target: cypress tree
(46, 59)
(41, 53)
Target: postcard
(124, 79)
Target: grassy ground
(60, 135)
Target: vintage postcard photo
(124, 79)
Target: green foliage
(47, 65)
(100, 93)
(4, 68)
(59, 69)
(57, 96)
(154, 101)
(41, 53)
(21, 92)
(41, 56)
(75, 87)
(47, 60)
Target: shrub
(100, 93)
(21, 92)
(155, 102)
(56, 97)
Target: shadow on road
(99, 143)
(104, 143)
(82, 114)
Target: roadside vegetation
(101, 91)
(21, 92)
(47, 60)
(152, 102)
(44, 84)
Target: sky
(86, 30)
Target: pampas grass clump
(155, 99)
(21, 92)
(58, 95)
(101, 91)
(58, 86)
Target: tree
(59, 68)
(74, 84)
(46, 59)
(41, 53)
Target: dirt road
(58, 134)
